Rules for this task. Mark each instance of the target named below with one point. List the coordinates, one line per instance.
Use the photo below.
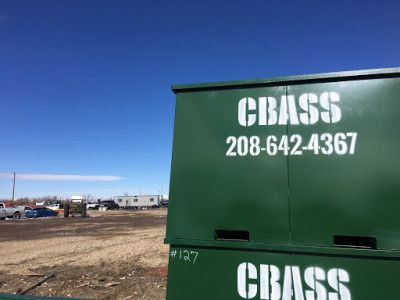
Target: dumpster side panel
(218, 180)
(348, 184)
(211, 273)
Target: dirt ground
(109, 255)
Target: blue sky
(85, 86)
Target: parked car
(91, 205)
(55, 206)
(11, 212)
(41, 212)
(3, 214)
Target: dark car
(41, 212)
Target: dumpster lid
(300, 79)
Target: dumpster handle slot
(231, 235)
(365, 242)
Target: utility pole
(13, 190)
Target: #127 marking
(185, 255)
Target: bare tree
(88, 197)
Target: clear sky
(85, 86)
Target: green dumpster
(286, 188)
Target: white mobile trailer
(131, 202)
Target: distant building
(77, 199)
(134, 202)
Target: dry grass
(112, 255)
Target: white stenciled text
(268, 282)
(325, 144)
(307, 110)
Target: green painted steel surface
(350, 194)
(210, 190)
(207, 273)
(303, 164)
